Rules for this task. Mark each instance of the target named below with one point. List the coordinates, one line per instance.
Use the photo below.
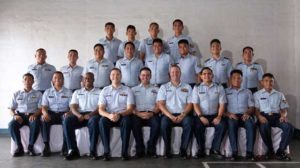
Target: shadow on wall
(196, 46)
(228, 54)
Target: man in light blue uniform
(240, 108)
(209, 105)
(25, 109)
(110, 43)
(72, 72)
(271, 111)
(84, 107)
(131, 33)
(173, 41)
(55, 107)
(221, 66)
(252, 72)
(41, 71)
(130, 66)
(116, 103)
(146, 48)
(100, 67)
(145, 114)
(189, 64)
(174, 101)
(159, 63)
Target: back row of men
(173, 104)
(159, 62)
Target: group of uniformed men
(153, 83)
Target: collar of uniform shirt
(145, 86)
(272, 91)
(211, 85)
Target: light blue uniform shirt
(146, 47)
(136, 46)
(100, 70)
(86, 100)
(130, 70)
(252, 74)
(238, 101)
(72, 76)
(270, 102)
(176, 98)
(209, 98)
(189, 66)
(26, 102)
(159, 68)
(145, 97)
(221, 69)
(174, 49)
(57, 101)
(111, 48)
(116, 100)
(42, 75)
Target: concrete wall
(270, 26)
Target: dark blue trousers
(199, 132)
(14, 129)
(125, 125)
(233, 126)
(166, 130)
(265, 132)
(154, 124)
(72, 123)
(56, 118)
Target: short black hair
(215, 41)
(60, 73)
(236, 71)
(98, 45)
(157, 40)
(183, 41)
(268, 75)
(28, 75)
(129, 43)
(153, 24)
(73, 50)
(145, 69)
(247, 47)
(130, 27)
(205, 68)
(175, 66)
(115, 69)
(178, 20)
(110, 24)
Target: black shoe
(168, 155)
(283, 156)
(183, 154)
(31, 152)
(216, 154)
(93, 156)
(234, 156)
(18, 152)
(46, 152)
(72, 155)
(270, 155)
(106, 157)
(152, 154)
(139, 155)
(249, 156)
(200, 154)
(125, 157)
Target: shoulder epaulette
(207, 60)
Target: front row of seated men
(132, 108)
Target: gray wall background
(272, 27)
